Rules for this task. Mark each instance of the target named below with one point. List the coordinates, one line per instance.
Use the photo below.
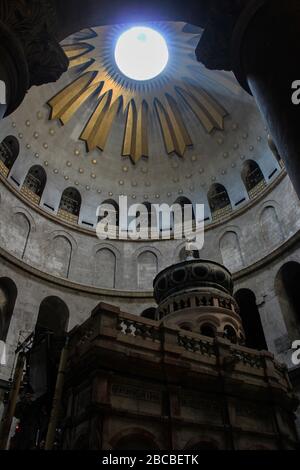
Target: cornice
(127, 294)
(66, 283)
(92, 232)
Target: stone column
(270, 51)
(29, 52)
(3, 81)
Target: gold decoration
(97, 79)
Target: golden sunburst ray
(95, 74)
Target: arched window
(53, 316)
(186, 214)
(70, 204)
(8, 295)
(230, 334)
(208, 330)
(288, 293)
(34, 183)
(184, 201)
(111, 209)
(9, 151)
(219, 201)
(253, 178)
(149, 313)
(255, 337)
(149, 214)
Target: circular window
(208, 330)
(179, 275)
(141, 53)
(230, 334)
(220, 276)
(200, 271)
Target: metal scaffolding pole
(56, 404)
(12, 401)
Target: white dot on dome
(141, 53)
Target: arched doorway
(135, 442)
(41, 373)
(255, 337)
(49, 333)
(53, 316)
(184, 215)
(149, 313)
(8, 296)
(287, 289)
(9, 151)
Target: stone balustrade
(110, 328)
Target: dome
(113, 136)
(190, 275)
(189, 132)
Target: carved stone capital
(29, 26)
(216, 47)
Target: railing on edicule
(138, 328)
(109, 323)
(193, 344)
(192, 300)
(190, 342)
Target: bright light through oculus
(141, 53)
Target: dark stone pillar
(29, 51)
(13, 69)
(270, 54)
(3, 88)
(259, 41)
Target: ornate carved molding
(30, 26)
(215, 50)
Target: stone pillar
(270, 51)
(3, 80)
(259, 41)
(29, 51)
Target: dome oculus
(94, 73)
(141, 53)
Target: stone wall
(45, 258)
